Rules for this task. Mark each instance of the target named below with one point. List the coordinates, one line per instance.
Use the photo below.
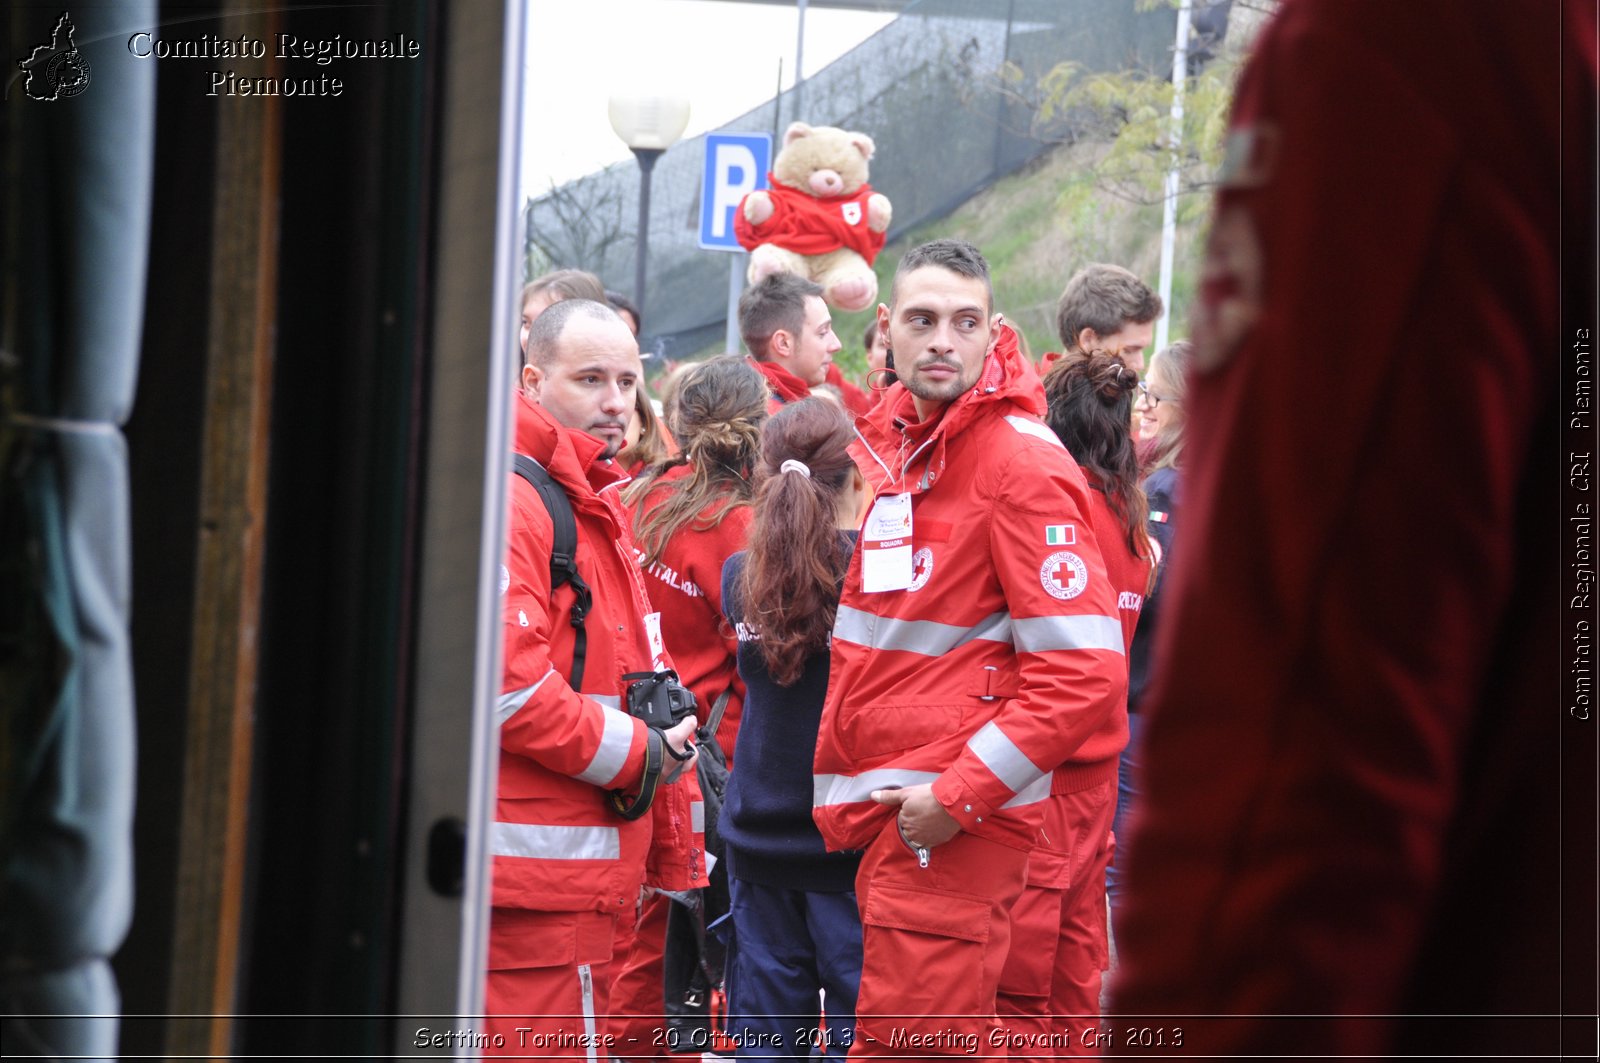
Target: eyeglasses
(1151, 397)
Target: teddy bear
(819, 219)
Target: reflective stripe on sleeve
(1040, 633)
(1002, 757)
(610, 701)
(697, 816)
(848, 789)
(928, 637)
(545, 842)
(612, 755)
(507, 705)
(1032, 793)
(1034, 429)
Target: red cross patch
(921, 568)
(1064, 575)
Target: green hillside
(1036, 227)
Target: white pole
(1169, 206)
(799, 64)
(735, 289)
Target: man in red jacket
(788, 330)
(566, 863)
(1351, 839)
(977, 647)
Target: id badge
(886, 545)
(658, 649)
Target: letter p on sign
(736, 165)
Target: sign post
(736, 165)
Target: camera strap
(653, 759)
(563, 554)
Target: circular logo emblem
(921, 569)
(1064, 575)
(505, 579)
(68, 74)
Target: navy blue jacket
(766, 817)
(1161, 489)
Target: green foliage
(1131, 113)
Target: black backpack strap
(708, 730)
(563, 553)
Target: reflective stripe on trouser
(548, 977)
(934, 942)
(788, 944)
(1053, 986)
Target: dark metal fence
(924, 88)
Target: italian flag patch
(1060, 535)
(1158, 516)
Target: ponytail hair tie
(791, 465)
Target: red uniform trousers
(638, 1024)
(1050, 988)
(934, 940)
(553, 1002)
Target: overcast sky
(723, 57)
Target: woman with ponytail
(796, 928)
(1062, 912)
(690, 512)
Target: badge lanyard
(886, 550)
(658, 648)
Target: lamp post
(649, 125)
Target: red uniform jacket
(858, 402)
(1005, 658)
(1354, 742)
(1129, 573)
(686, 582)
(557, 843)
(1130, 579)
(812, 225)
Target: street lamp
(649, 125)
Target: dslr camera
(658, 698)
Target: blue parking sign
(736, 165)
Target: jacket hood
(573, 457)
(1006, 379)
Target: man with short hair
(1107, 308)
(788, 330)
(544, 291)
(567, 863)
(976, 648)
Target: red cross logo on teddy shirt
(1064, 575)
